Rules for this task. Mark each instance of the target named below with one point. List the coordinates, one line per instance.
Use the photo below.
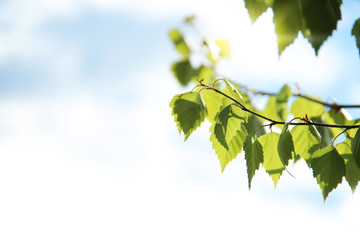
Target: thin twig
(275, 122)
(330, 105)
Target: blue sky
(89, 149)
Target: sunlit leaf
(246, 98)
(205, 73)
(325, 132)
(328, 168)
(352, 175)
(320, 18)
(252, 124)
(253, 156)
(336, 118)
(228, 122)
(285, 145)
(284, 94)
(272, 163)
(356, 33)
(306, 140)
(281, 101)
(190, 19)
(303, 106)
(287, 20)
(235, 145)
(183, 71)
(179, 42)
(257, 7)
(224, 48)
(356, 148)
(232, 91)
(271, 109)
(213, 102)
(189, 112)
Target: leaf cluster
(315, 20)
(234, 129)
(284, 132)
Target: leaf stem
(339, 135)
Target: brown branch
(334, 106)
(274, 122)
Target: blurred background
(88, 146)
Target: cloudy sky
(88, 147)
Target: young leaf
(232, 92)
(303, 106)
(179, 42)
(256, 8)
(306, 140)
(228, 122)
(328, 168)
(339, 118)
(205, 73)
(285, 146)
(352, 175)
(252, 124)
(325, 133)
(253, 155)
(183, 71)
(281, 101)
(272, 163)
(287, 20)
(235, 145)
(320, 17)
(284, 94)
(356, 148)
(224, 48)
(271, 109)
(213, 102)
(356, 33)
(189, 112)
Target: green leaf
(356, 148)
(285, 145)
(246, 98)
(228, 122)
(257, 7)
(190, 19)
(287, 20)
(356, 33)
(281, 101)
(252, 124)
(253, 155)
(234, 145)
(320, 17)
(271, 109)
(232, 92)
(179, 41)
(284, 94)
(183, 71)
(224, 48)
(306, 140)
(352, 175)
(213, 102)
(303, 106)
(337, 118)
(328, 169)
(325, 132)
(205, 73)
(189, 112)
(272, 163)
